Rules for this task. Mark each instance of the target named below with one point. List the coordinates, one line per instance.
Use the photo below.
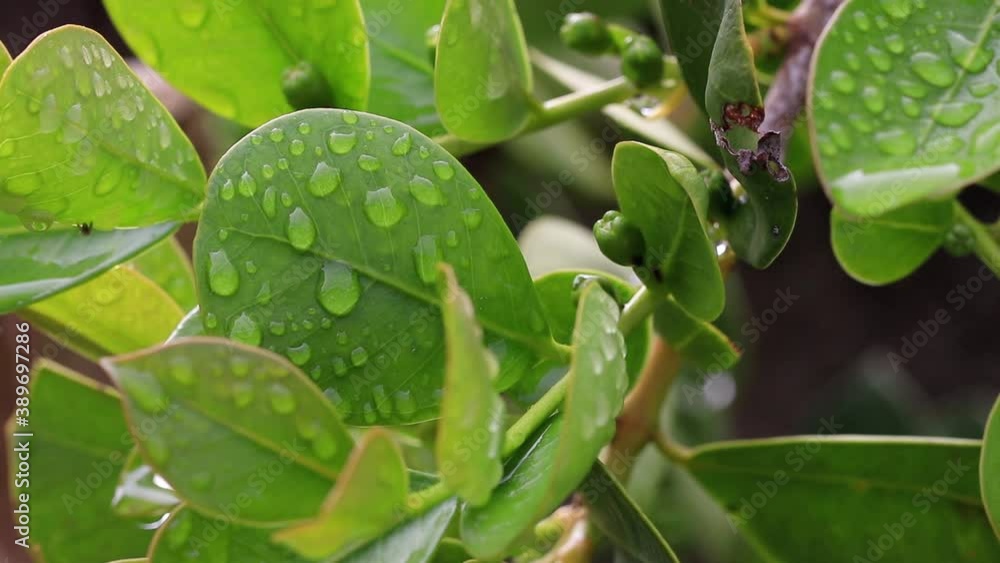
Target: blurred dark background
(826, 355)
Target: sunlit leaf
(230, 56)
(323, 245)
(167, 265)
(84, 141)
(232, 426)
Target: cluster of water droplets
(920, 81)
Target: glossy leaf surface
(72, 521)
(120, 311)
(692, 27)
(471, 428)
(889, 247)
(34, 266)
(482, 77)
(697, 341)
(189, 537)
(224, 415)
(368, 500)
(617, 516)
(251, 44)
(909, 115)
(320, 240)
(662, 194)
(414, 541)
(84, 141)
(989, 468)
(761, 222)
(560, 456)
(402, 85)
(913, 499)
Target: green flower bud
(586, 33)
(619, 239)
(305, 87)
(642, 61)
(958, 241)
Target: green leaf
(224, 416)
(188, 536)
(251, 44)
(925, 126)
(5, 59)
(697, 341)
(692, 27)
(118, 312)
(482, 76)
(662, 194)
(887, 248)
(560, 299)
(402, 85)
(414, 541)
(73, 468)
(660, 132)
(334, 250)
(368, 500)
(92, 144)
(34, 266)
(471, 428)
(617, 516)
(169, 267)
(989, 468)
(761, 222)
(562, 454)
(190, 325)
(891, 499)
(138, 495)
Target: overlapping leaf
(229, 425)
(85, 142)
(188, 536)
(251, 44)
(697, 341)
(320, 240)
(167, 265)
(989, 468)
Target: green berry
(586, 33)
(305, 87)
(958, 241)
(619, 239)
(642, 61)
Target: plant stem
(984, 245)
(554, 111)
(638, 308)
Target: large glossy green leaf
(561, 455)
(881, 498)
(482, 77)
(232, 426)
(883, 249)
(761, 221)
(34, 266)
(251, 43)
(414, 541)
(74, 464)
(471, 428)
(84, 141)
(188, 536)
(989, 467)
(692, 27)
(660, 132)
(323, 246)
(618, 517)
(907, 115)
(402, 85)
(168, 265)
(118, 312)
(368, 500)
(697, 341)
(663, 195)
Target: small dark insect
(86, 228)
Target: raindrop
(402, 145)
(339, 366)
(108, 180)
(879, 58)
(349, 117)
(443, 170)
(264, 295)
(873, 99)
(304, 128)
(339, 290)
(276, 135)
(382, 208)
(369, 163)
(227, 191)
(323, 445)
(300, 354)
(359, 357)
(276, 328)
(842, 81)
(896, 142)
(895, 44)
(269, 203)
(297, 147)
(425, 191)
(933, 69)
(451, 239)
(286, 199)
(342, 143)
(973, 58)
(248, 186)
(956, 114)
(406, 405)
(282, 400)
(426, 255)
(245, 330)
(223, 279)
(211, 321)
(472, 217)
(325, 180)
(301, 230)
(182, 372)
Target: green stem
(636, 310)
(554, 111)
(984, 245)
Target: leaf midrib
(546, 347)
